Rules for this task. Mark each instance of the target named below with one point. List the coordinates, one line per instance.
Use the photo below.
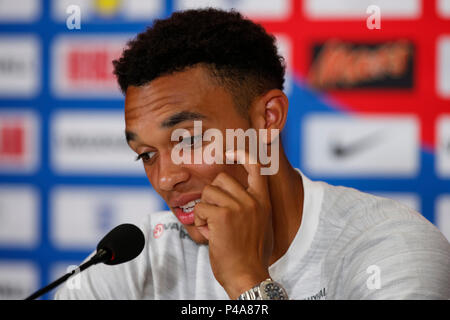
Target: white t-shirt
(350, 245)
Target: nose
(171, 174)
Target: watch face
(271, 290)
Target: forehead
(193, 89)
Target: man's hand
(238, 224)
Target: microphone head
(124, 243)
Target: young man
(233, 232)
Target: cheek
(236, 171)
(208, 172)
(151, 176)
(202, 174)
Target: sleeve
(397, 259)
(126, 281)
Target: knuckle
(239, 207)
(221, 177)
(198, 210)
(199, 206)
(206, 192)
(252, 204)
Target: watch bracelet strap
(253, 293)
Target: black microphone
(123, 243)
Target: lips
(184, 199)
(188, 207)
(183, 217)
(184, 208)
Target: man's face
(154, 111)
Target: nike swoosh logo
(341, 150)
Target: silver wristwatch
(266, 290)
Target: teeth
(188, 210)
(188, 207)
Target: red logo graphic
(91, 65)
(157, 232)
(82, 65)
(12, 140)
(342, 64)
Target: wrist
(244, 283)
(266, 290)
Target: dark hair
(240, 54)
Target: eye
(192, 141)
(146, 156)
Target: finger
(201, 218)
(214, 195)
(205, 215)
(204, 231)
(230, 185)
(201, 213)
(257, 183)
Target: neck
(286, 195)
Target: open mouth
(185, 213)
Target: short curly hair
(239, 53)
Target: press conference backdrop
(369, 108)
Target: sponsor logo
(80, 216)
(157, 232)
(443, 146)
(373, 282)
(19, 66)
(347, 9)
(15, 11)
(443, 67)
(343, 65)
(361, 146)
(442, 215)
(321, 295)
(256, 9)
(12, 143)
(19, 143)
(91, 142)
(19, 216)
(172, 226)
(110, 10)
(82, 66)
(17, 280)
(341, 149)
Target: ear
(269, 111)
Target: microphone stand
(102, 255)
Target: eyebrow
(181, 116)
(170, 122)
(130, 136)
